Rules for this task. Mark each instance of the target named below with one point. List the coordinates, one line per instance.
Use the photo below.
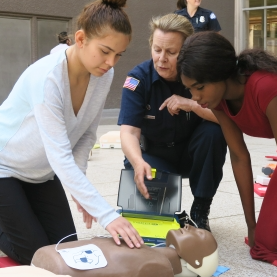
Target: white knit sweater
(40, 136)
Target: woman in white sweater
(48, 126)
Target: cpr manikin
(189, 252)
(197, 250)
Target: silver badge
(202, 19)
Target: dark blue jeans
(201, 159)
(32, 216)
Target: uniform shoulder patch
(131, 83)
(212, 16)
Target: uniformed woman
(201, 19)
(179, 136)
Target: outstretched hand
(87, 218)
(142, 170)
(124, 228)
(119, 226)
(175, 103)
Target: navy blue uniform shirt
(143, 93)
(203, 20)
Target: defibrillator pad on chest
(84, 257)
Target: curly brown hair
(209, 57)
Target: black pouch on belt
(143, 143)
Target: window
(48, 31)
(260, 19)
(25, 39)
(15, 51)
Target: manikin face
(208, 95)
(165, 50)
(192, 244)
(195, 232)
(100, 54)
(195, 246)
(194, 3)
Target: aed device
(152, 217)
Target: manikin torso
(189, 252)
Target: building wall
(140, 13)
(60, 8)
(225, 12)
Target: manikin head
(197, 247)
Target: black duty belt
(164, 144)
(170, 144)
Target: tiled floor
(226, 218)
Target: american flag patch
(131, 83)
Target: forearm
(241, 164)
(244, 179)
(131, 148)
(85, 143)
(206, 114)
(82, 148)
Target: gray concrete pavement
(226, 218)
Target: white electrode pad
(84, 257)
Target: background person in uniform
(201, 19)
(157, 107)
(64, 43)
(242, 93)
(48, 126)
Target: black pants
(200, 159)
(32, 216)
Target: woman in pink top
(241, 91)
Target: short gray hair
(171, 23)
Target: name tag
(149, 116)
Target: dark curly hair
(63, 37)
(181, 4)
(209, 57)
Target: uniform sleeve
(132, 103)
(51, 122)
(213, 23)
(265, 89)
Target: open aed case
(152, 217)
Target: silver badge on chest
(202, 19)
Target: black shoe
(185, 219)
(200, 211)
